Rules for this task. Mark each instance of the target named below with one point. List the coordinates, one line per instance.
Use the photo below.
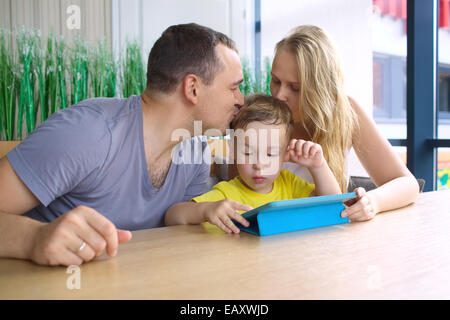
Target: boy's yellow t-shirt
(287, 186)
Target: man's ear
(191, 84)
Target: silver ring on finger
(81, 247)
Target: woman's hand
(362, 208)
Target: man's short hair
(181, 50)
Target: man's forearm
(185, 213)
(17, 235)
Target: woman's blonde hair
(322, 97)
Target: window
(389, 87)
(444, 92)
(380, 92)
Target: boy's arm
(193, 211)
(218, 213)
(186, 213)
(310, 155)
(324, 181)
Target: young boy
(266, 124)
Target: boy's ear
(191, 84)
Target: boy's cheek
(246, 173)
(244, 170)
(273, 169)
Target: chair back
(368, 184)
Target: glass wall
(389, 68)
(443, 154)
(389, 75)
(443, 174)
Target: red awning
(403, 9)
(397, 9)
(443, 13)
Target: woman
(306, 74)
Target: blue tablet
(296, 214)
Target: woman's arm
(397, 187)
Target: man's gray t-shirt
(93, 154)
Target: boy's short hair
(265, 109)
(183, 49)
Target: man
(103, 165)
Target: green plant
(133, 73)
(255, 82)
(246, 85)
(266, 76)
(79, 70)
(60, 46)
(25, 42)
(38, 66)
(103, 71)
(51, 84)
(7, 87)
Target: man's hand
(221, 212)
(61, 242)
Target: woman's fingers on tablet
(362, 215)
(361, 210)
(359, 193)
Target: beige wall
(51, 15)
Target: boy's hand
(305, 153)
(221, 212)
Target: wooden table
(402, 254)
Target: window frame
(444, 115)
